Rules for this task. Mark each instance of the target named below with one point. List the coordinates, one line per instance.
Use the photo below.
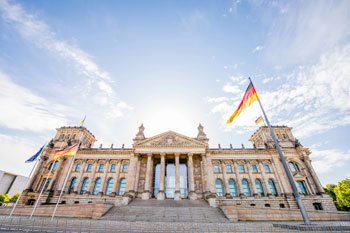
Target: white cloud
(217, 99)
(327, 160)
(306, 30)
(21, 109)
(231, 88)
(313, 99)
(40, 34)
(258, 48)
(266, 80)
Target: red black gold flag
(260, 119)
(249, 97)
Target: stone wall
(93, 210)
(235, 214)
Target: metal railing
(43, 224)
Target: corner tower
(69, 135)
(262, 139)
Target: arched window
(84, 186)
(109, 187)
(122, 186)
(294, 167)
(97, 186)
(49, 168)
(246, 189)
(273, 188)
(301, 187)
(55, 166)
(72, 185)
(219, 189)
(259, 188)
(232, 187)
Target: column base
(177, 196)
(160, 195)
(145, 195)
(192, 195)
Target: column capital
(190, 154)
(162, 154)
(149, 154)
(177, 154)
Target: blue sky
(172, 65)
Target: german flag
(69, 151)
(249, 97)
(260, 119)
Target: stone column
(131, 174)
(192, 192)
(313, 175)
(92, 177)
(225, 183)
(104, 181)
(252, 181)
(282, 176)
(136, 185)
(240, 192)
(79, 181)
(265, 180)
(34, 175)
(278, 182)
(177, 195)
(211, 195)
(161, 194)
(147, 190)
(54, 177)
(116, 178)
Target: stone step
(166, 211)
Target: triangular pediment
(170, 139)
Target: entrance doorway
(170, 178)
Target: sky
(172, 65)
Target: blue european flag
(34, 157)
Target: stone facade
(171, 165)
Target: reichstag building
(173, 166)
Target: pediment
(170, 139)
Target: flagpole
(19, 197)
(66, 179)
(42, 189)
(289, 174)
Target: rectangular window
(46, 183)
(216, 168)
(112, 168)
(100, 168)
(89, 167)
(125, 168)
(318, 206)
(301, 187)
(267, 168)
(55, 166)
(255, 169)
(241, 168)
(77, 168)
(229, 168)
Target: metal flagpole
(289, 174)
(42, 189)
(66, 179)
(19, 197)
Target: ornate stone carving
(140, 135)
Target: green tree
(5, 198)
(2, 198)
(342, 193)
(329, 189)
(14, 198)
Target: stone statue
(201, 135)
(140, 135)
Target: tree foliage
(342, 193)
(5, 198)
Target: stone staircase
(166, 211)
